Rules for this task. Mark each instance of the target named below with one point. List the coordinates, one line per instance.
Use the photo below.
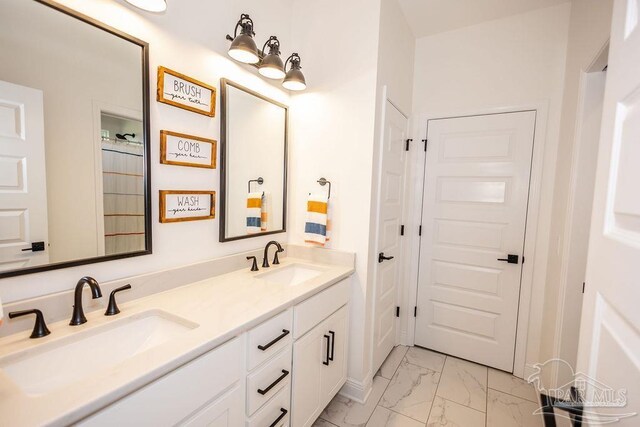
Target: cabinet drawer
(309, 313)
(263, 384)
(178, 394)
(268, 338)
(274, 410)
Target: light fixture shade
(294, 80)
(272, 67)
(244, 49)
(150, 5)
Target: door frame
(597, 65)
(530, 306)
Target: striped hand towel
(254, 212)
(264, 213)
(318, 226)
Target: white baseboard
(357, 390)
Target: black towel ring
(260, 181)
(323, 182)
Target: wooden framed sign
(187, 205)
(184, 92)
(187, 150)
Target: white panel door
(609, 347)
(390, 210)
(23, 185)
(474, 214)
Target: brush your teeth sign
(177, 205)
(185, 92)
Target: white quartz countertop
(223, 307)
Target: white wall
(509, 62)
(332, 131)
(36, 38)
(192, 43)
(589, 30)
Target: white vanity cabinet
(207, 391)
(320, 354)
(281, 373)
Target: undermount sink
(291, 275)
(56, 364)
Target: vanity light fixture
(271, 65)
(294, 80)
(243, 48)
(150, 5)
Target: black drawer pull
(283, 412)
(275, 340)
(328, 338)
(333, 344)
(273, 384)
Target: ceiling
(428, 17)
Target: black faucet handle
(39, 328)
(254, 264)
(112, 308)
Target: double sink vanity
(265, 348)
(242, 340)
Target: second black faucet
(78, 317)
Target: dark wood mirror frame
(223, 160)
(147, 147)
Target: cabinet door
(307, 399)
(226, 411)
(335, 375)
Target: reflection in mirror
(254, 160)
(73, 140)
(122, 184)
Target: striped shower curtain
(123, 188)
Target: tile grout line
(437, 387)
(486, 402)
(462, 405)
(511, 394)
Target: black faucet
(78, 317)
(265, 260)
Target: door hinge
(402, 230)
(420, 230)
(415, 311)
(397, 311)
(408, 141)
(583, 285)
(523, 259)
(425, 144)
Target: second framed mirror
(253, 164)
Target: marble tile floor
(416, 387)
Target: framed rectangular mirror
(74, 140)
(253, 164)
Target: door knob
(511, 259)
(382, 258)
